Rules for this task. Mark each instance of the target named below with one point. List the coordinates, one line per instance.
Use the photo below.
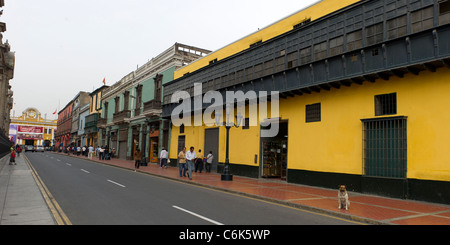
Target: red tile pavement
(364, 208)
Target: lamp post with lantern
(226, 175)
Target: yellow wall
(96, 97)
(314, 12)
(335, 144)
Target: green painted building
(131, 114)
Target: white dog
(343, 198)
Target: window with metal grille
(313, 113)
(246, 123)
(385, 147)
(386, 104)
(182, 129)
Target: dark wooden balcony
(101, 122)
(152, 107)
(119, 117)
(360, 43)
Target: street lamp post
(226, 175)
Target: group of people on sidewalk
(192, 161)
(188, 162)
(163, 158)
(103, 153)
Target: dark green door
(385, 147)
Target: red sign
(31, 129)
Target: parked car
(29, 148)
(39, 148)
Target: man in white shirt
(163, 158)
(190, 157)
(209, 161)
(91, 152)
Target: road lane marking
(198, 215)
(85, 171)
(58, 214)
(68, 164)
(58, 160)
(116, 183)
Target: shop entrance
(274, 154)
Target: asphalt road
(95, 194)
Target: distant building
(131, 108)
(95, 110)
(81, 99)
(64, 126)
(32, 129)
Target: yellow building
(95, 110)
(362, 100)
(32, 129)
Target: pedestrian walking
(91, 152)
(18, 150)
(137, 159)
(209, 161)
(199, 161)
(106, 156)
(163, 158)
(78, 151)
(191, 157)
(12, 159)
(182, 162)
(101, 151)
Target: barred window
(313, 113)
(386, 104)
(182, 129)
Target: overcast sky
(66, 46)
